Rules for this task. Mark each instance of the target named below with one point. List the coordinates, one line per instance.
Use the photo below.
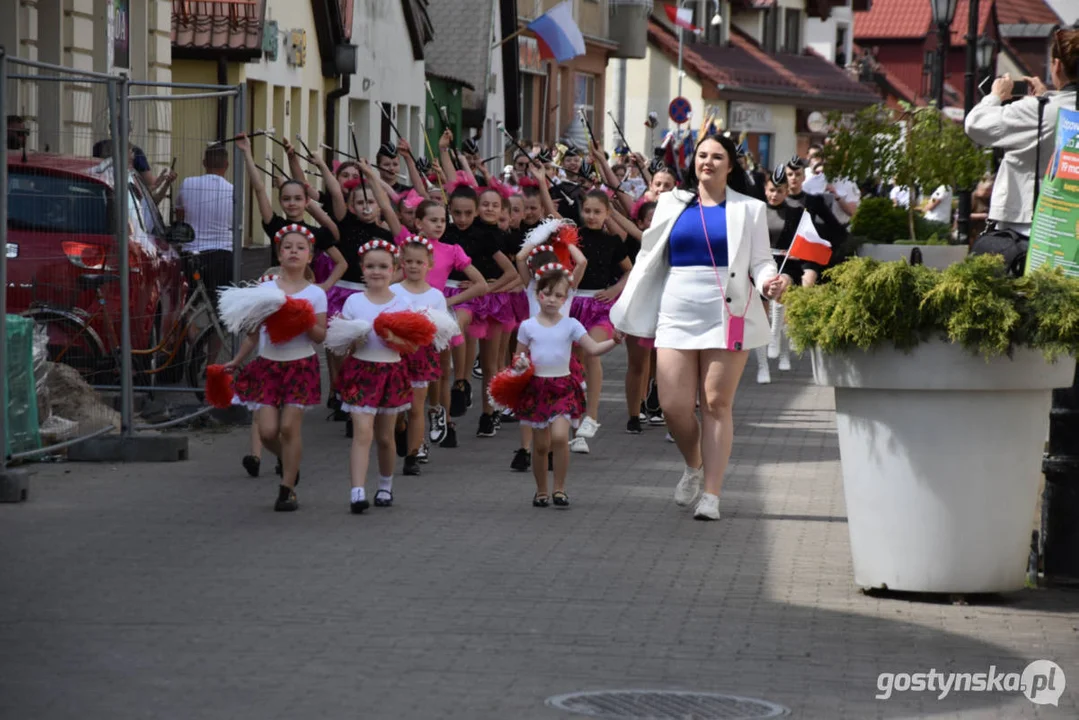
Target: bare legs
(636, 375)
(553, 439)
(593, 369)
(280, 433)
(720, 372)
(678, 396)
(417, 420)
(368, 428)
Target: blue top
(686, 246)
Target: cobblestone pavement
(173, 591)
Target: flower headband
(540, 248)
(378, 245)
(294, 228)
(550, 267)
(419, 240)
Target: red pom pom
(410, 327)
(506, 387)
(293, 319)
(218, 386)
(566, 236)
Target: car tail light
(85, 255)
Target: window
(584, 96)
(792, 30)
(771, 29)
(528, 92)
(841, 45)
(47, 203)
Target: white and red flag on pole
(682, 17)
(808, 245)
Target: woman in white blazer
(696, 288)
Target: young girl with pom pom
(553, 399)
(285, 379)
(531, 259)
(448, 260)
(475, 228)
(424, 365)
(374, 381)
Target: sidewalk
(174, 591)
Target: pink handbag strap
(719, 284)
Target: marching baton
(278, 168)
(386, 114)
(257, 133)
(334, 150)
(516, 144)
(591, 135)
(356, 149)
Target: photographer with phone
(1024, 128)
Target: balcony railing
(218, 24)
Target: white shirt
(900, 195)
(550, 347)
(429, 299)
(298, 347)
(207, 204)
(942, 213)
(359, 307)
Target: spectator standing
(205, 203)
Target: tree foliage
(869, 304)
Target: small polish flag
(808, 245)
(682, 17)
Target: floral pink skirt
(592, 313)
(424, 366)
(273, 383)
(546, 399)
(493, 311)
(374, 387)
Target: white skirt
(692, 314)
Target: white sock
(385, 483)
(358, 495)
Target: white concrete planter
(934, 256)
(941, 454)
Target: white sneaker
(689, 487)
(588, 428)
(578, 445)
(707, 508)
(784, 362)
(763, 375)
(670, 438)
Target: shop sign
(528, 56)
(750, 117)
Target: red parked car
(62, 254)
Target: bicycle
(73, 339)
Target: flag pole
(784, 263)
(506, 39)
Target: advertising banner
(1054, 236)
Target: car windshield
(50, 203)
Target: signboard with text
(120, 30)
(1054, 235)
(750, 117)
(528, 56)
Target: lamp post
(987, 50)
(962, 229)
(717, 20)
(943, 14)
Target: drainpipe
(331, 114)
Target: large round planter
(941, 454)
(934, 256)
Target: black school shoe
(412, 465)
(522, 460)
(487, 425)
(633, 427)
(450, 441)
(359, 506)
(459, 400)
(251, 465)
(286, 499)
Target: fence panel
(61, 258)
(118, 277)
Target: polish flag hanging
(682, 17)
(808, 245)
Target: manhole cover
(664, 704)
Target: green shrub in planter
(880, 222)
(870, 304)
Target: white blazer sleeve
(762, 266)
(991, 124)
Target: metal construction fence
(108, 312)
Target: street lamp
(986, 50)
(716, 21)
(943, 14)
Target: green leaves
(868, 304)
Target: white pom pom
(243, 309)
(341, 333)
(542, 232)
(446, 328)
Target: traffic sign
(679, 110)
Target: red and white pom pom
(342, 333)
(218, 386)
(244, 309)
(293, 319)
(446, 328)
(404, 326)
(542, 232)
(506, 387)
